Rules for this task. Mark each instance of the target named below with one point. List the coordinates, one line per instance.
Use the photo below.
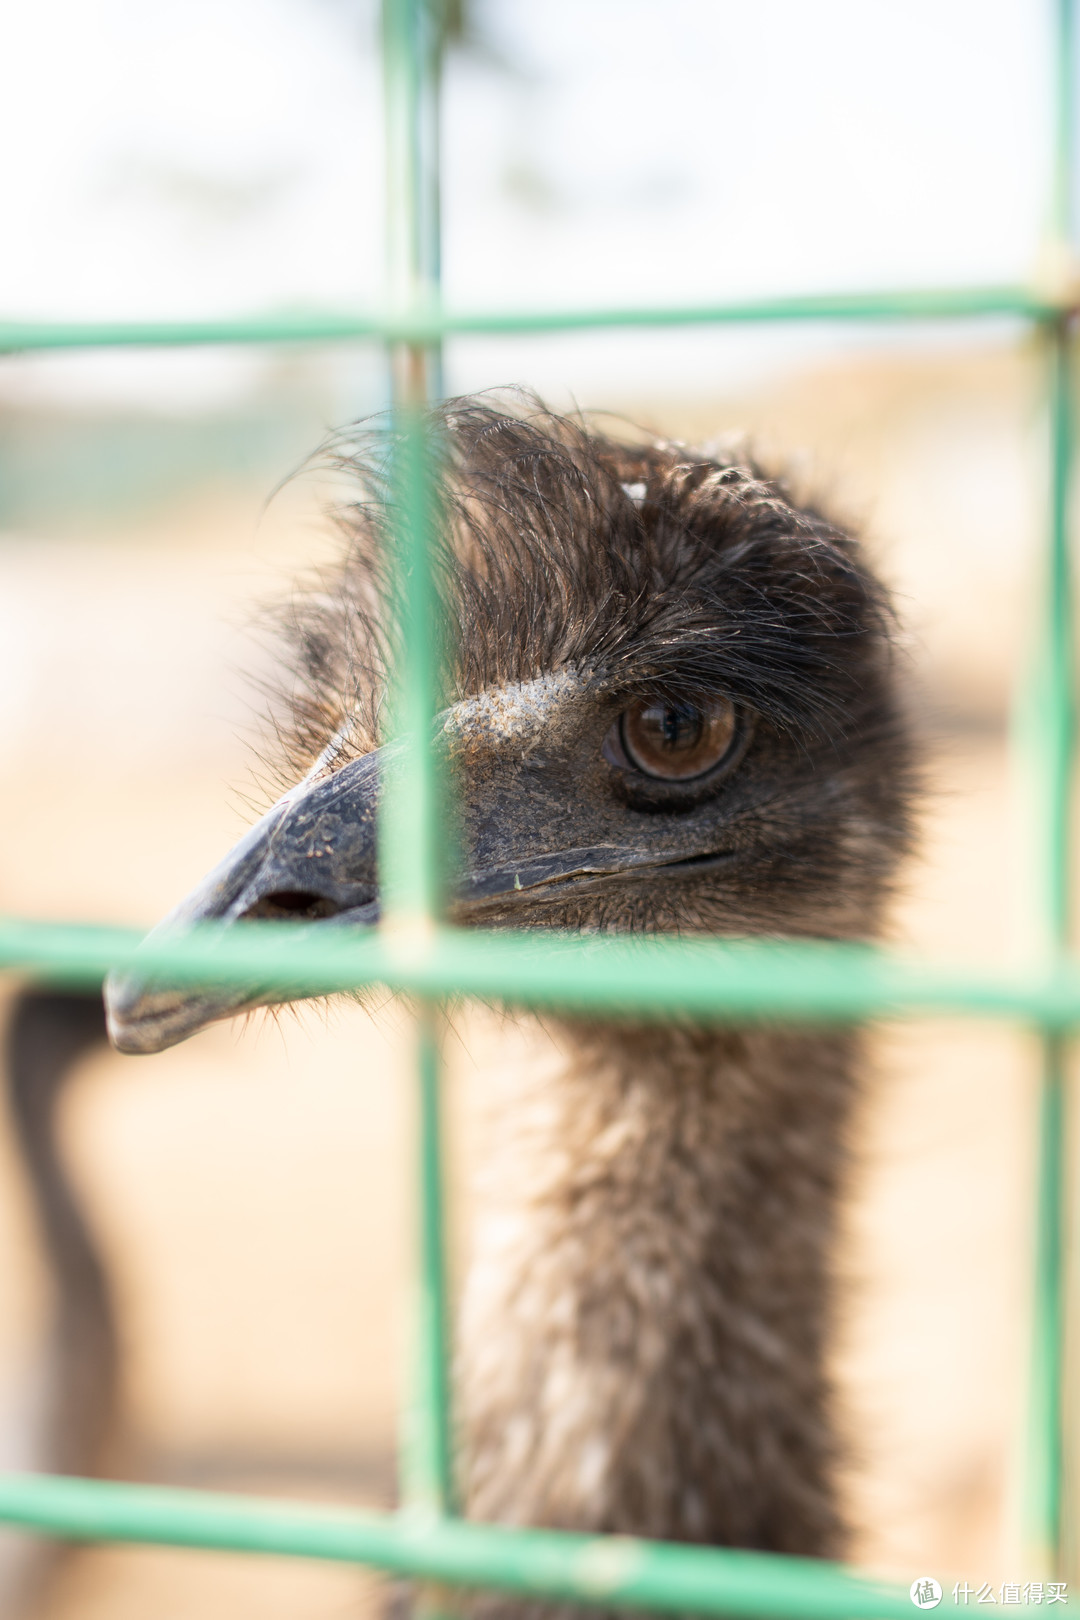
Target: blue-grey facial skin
(546, 822)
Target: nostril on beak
(297, 905)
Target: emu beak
(312, 857)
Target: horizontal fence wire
(648, 977)
(705, 979)
(427, 326)
(596, 1570)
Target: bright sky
(198, 157)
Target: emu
(671, 706)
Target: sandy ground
(251, 1187)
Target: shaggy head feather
(569, 561)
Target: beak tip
(141, 1020)
(121, 1026)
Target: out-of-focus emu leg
(74, 1398)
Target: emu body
(669, 706)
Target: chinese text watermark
(927, 1593)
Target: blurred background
(178, 161)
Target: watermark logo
(926, 1593)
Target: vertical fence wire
(1054, 742)
(410, 847)
(1052, 721)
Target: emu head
(669, 705)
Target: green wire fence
(413, 951)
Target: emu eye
(677, 741)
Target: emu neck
(644, 1324)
